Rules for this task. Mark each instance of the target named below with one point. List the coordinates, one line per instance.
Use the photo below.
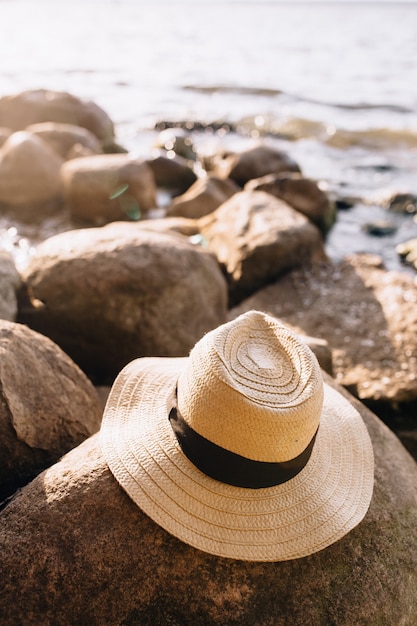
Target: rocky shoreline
(122, 274)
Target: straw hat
(240, 449)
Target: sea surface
(333, 83)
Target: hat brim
(326, 500)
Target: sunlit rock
(67, 139)
(302, 194)
(76, 548)
(107, 295)
(203, 197)
(181, 225)
(368, 316)
(47, 405)
(29, 171)
(256, 238)
(18, 111)
(254, 163)
(107, 188)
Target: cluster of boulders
(127, 276)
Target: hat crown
(253, 388)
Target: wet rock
(18, 111)
(29, 173)
(178, 141)
(203, 197)
(255, 163)
(368, 316)
(303, 194)
(408, 252)
(107, 295)
(47, 405)
(256, 238)
(380, 228)
(77, 549)
(173, 174)
(401, 203)
(67, 140)
(9, 286)
(107, 188)
(345, 203)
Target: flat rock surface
(368, 316)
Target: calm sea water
(334, 83)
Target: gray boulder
(74, 549)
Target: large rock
(107, 295)
(9, 286)
(203, 197)
(302, 194)
(29, 172)
(67, 140)
(368, 316)
(257, 237)
(74, 549)
(108, 187)
(47, 405)
(254, 163)
(18, 111)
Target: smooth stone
(26, 157)
(108, 295)
(47, 405)
(253, 163)
(256, 238)
(203, 197)
(107, 188)
(17, 111)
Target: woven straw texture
(328, 498)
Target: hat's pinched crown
(253, 388)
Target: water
(332, 83)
